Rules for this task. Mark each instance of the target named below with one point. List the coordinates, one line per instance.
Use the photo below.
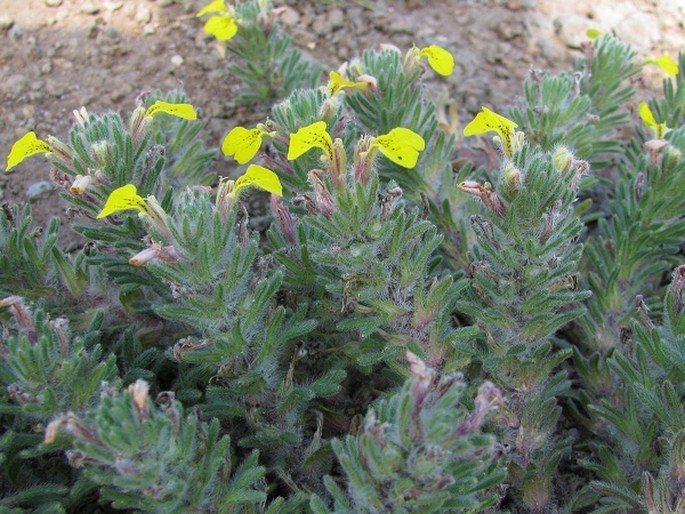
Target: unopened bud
(329, 108)
(363, 160)
(74, 427)
(338, 164)
(138, 391)
(21, 314)
(512, 179)
(536, 493)
(323, 199)
(82, 116)
(60, 150)
(167, 254)
(285, 220)
(677, 288)
(672, 157)
(677, 466)
(562, 160)
(138, 124)
(101, 152)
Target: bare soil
(59, 55)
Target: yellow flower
(401, 146)
(668, 65)
(488, 121)
(646, 114)
(593, 33)
(439, 59)
(242, 143)
(123, 198)
(185, 111)
(221, 27)
(258, 176)
(26, 146)
(337, 82)
(308, 137)
(215, 6)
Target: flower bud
(138, 391)
(82, 116)
(338, 164)
(512, 179)
(59, 150)
(322, 197)
(138, 124)
(363, 160)
(672, 157)
(284, 219)
(102, 152)
(562, 160)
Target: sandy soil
(59, 55)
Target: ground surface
(59, 55)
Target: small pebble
(6, 22)
(143, 14)
(89, 8)
(53, 3)
(177, 61)
(38, 189)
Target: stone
(90, 8)
(177, 61)
(53, 3)
(6, 22)
(290, 17)
(38, 189)
(143, 14)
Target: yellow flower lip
(489, 121)
(648, 117)
(439, 59)
(26, 146)
(337, 83)
(215, 6)
(243, 144)
(593, 33)
(666, 63)
(401, 146)
(258, 176)
(123, 198)
(185, 111)
(222, 27)
(311, 136)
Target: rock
(6, 22)
(336, 18)
(177, 61)
(509, 29)
(53, 3)
(38, 189)
(15, 84)
(143, 14)
(92, 30)
(571, 29)
(113, 6)
(89, 8)
(290, 17)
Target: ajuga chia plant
(415, 332)
(261, 54)
(419, 450)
